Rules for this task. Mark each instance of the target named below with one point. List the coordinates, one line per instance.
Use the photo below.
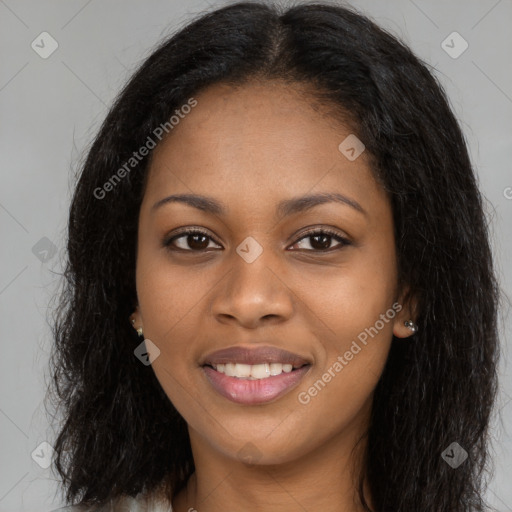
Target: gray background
(51, 108)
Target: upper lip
(257, 355)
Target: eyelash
(320, 231)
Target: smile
(254, 376)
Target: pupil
(325, 241)
(200, 245)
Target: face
(267, 270)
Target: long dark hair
(120, 434)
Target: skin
(249, 148)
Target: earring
(139, 330)
(411, 325)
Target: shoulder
(125, 504)
(75, 508)
(87, 508)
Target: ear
(408, 311)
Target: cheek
(169, 301)
(352, 314)
(344, 301)
(169, 297)
(354, 344)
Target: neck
(325, 478)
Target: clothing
(124, 504)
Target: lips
(286, 370)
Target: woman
(280, 291)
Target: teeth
(275, 368)
(253, 371)
(229, 369)
(242, 370)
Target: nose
(253, 294)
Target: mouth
(254, 376)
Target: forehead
(257, 141)
(256, 111)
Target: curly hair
(121, 435)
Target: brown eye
(199, 241)
(192, 241)
(321, 240)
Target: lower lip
(251, 392)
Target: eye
(196, 240)
(322, 239)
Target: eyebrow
(284, 208)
